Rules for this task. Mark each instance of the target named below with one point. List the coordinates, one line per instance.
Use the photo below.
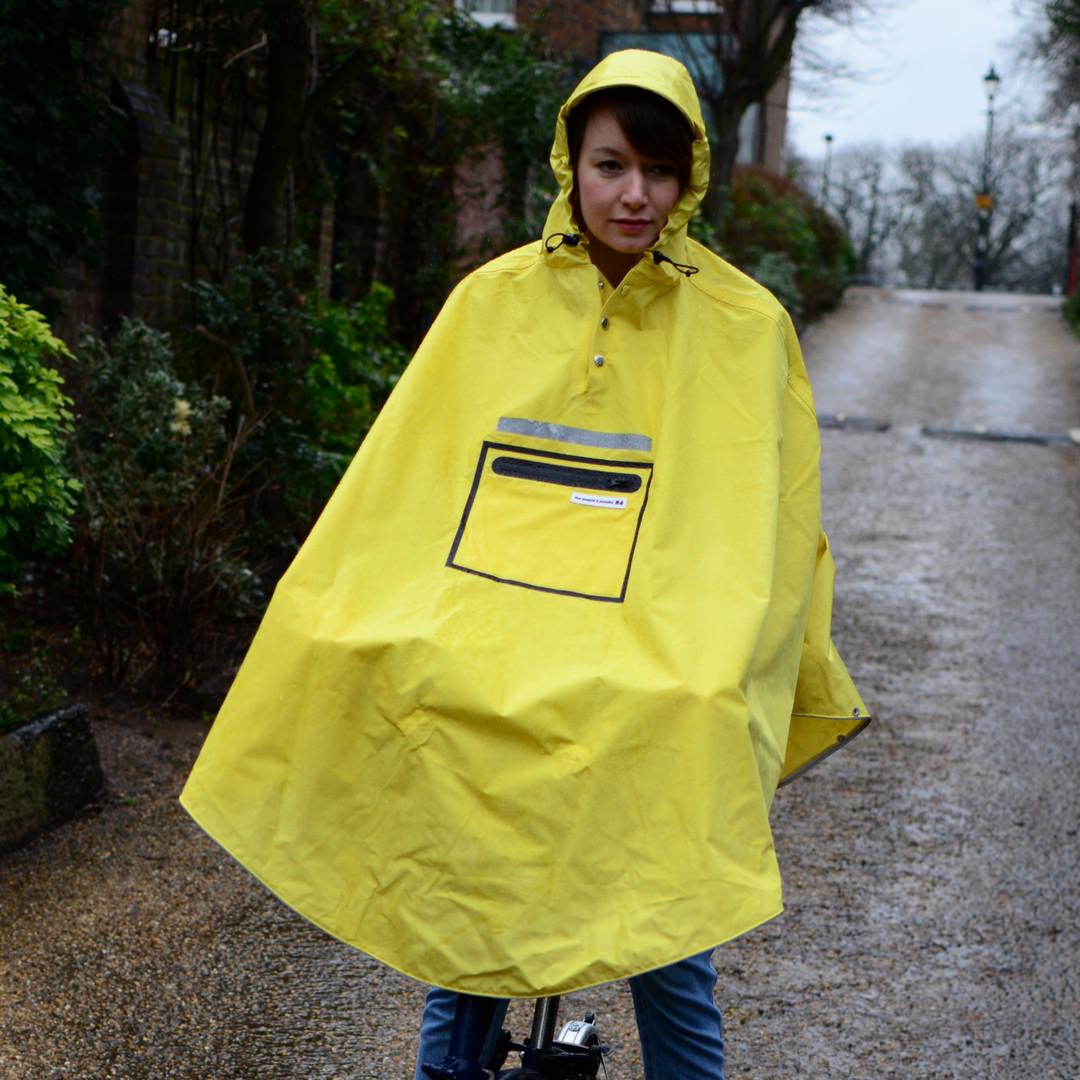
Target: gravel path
(931, 870)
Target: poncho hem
(568, 988)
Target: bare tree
(911, 219)
(862, 194)
(935, 243)
(751, 52)
(1053, 44)
(936, 240)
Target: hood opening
(667, 78)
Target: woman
(516, 714)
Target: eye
(662, 170)
(609, 165)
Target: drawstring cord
(573, 239)
(569, 239)
(683, 268)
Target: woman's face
(624, 198)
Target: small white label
(608, 502)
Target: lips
(631, 226)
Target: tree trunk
(727, 113)
(288, 31)
(751, 55)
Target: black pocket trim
(645, 469)
(565, 475)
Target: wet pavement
(932, 869)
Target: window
(697, 50)
(686, 7)
(490, 12)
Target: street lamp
(825, 173)
(984, 200)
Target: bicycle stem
(545, 1016)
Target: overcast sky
(921, 65)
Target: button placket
(607, 300)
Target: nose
(634, 190)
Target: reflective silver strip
(540, 429)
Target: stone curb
(49, 770)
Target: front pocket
(556, 522)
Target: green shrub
(248, 334)
(37, 494)
(307, 411)
(354, 364)
(30, 686)
(158, 534)
(335, 363)
(705, 232)
(1071, 310)
(779, 275)
(772, 230)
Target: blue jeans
(679, 1025)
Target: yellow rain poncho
(515, 716)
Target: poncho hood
(516, 713)
(666, 77)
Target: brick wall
(577, 28)
(156, 194)
(141, 216)
(590, 30)
(126, 40)
(158, 217)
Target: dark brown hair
(654, 127)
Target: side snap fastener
(599, 284)
(603, 323)
(598, 361)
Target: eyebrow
(606, 150)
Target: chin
(631, 245)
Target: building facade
(177, 170)
(685, 29)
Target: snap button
(598, 360)
(603, 323)
(599, 284)
(625, 289)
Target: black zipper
(565, 475)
